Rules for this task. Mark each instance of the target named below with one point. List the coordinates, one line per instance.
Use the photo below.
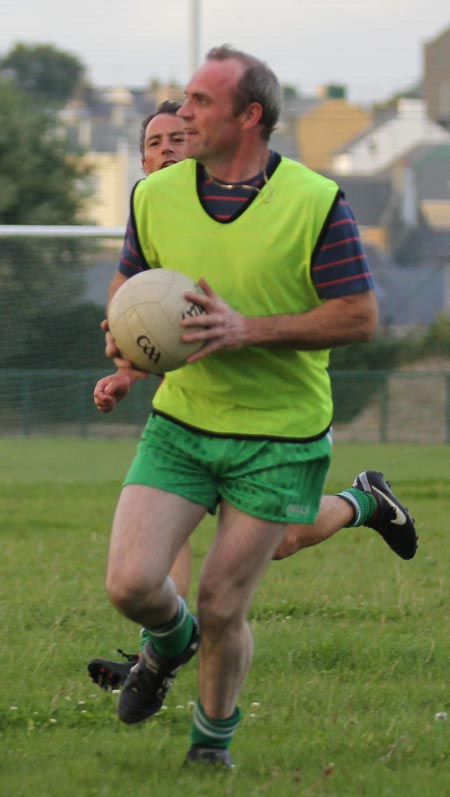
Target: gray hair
(257, 84)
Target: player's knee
(129, 596)
(120, 594)
(217, 609)
(290, 544)
(286, 548)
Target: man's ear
(252, 115)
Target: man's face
(212, 130)
(164, 143)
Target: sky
(373, 47)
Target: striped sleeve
(131, 261)
(340, 265)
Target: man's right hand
(113, 388)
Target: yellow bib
(260, 264)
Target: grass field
(352, 657)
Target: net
(54, 285)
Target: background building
(436, 78)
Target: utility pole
(194, 39)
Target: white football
(145, 317)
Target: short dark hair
(257, 84)
(169, 107)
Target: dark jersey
(339, 265)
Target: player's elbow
(367, 330)
(371, 324)
(366, 320)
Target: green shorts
(269, 479)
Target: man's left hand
(221, 327)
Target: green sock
(145, 636)
(172, 638)
(363, 503)
(213, 733)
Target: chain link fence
(370, 406)
(54, 284)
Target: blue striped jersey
(339, 264)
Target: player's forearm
(335, 323)
(114, 285)
(130, 374)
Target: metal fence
(370, 406)
(43, 273)
(405, 406)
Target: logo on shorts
(297, 509)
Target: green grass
(351, 659)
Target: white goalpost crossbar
(59, 231)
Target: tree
(39, 184)
(43, 71)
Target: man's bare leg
(370, 502)
(149, 529)
(238, 557)
(181, 570)
(334, 514)
(391, 520)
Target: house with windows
(388, 138)
(436, 78)
(328, 125)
